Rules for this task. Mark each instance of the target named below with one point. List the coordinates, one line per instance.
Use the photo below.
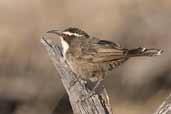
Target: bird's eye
(65, 35)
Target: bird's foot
(86, 97)
(74, 81)
(91, 92)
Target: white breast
(65, 46)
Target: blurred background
(29, 83)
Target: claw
(75, 80)
(84, 98)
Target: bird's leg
(72, 83)
(75, 80)
(92, 92)
(96, 85)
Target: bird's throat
(65, 47)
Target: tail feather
(144, 52)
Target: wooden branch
(96, 104)
(165, 107)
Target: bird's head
(68, 35)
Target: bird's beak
(58, 32)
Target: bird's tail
(144, 52)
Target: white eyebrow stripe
(70, 34)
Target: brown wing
(104, 51)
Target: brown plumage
(91, 58)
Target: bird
(91, 58)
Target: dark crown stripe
(77, 31)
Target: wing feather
(104, 51)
